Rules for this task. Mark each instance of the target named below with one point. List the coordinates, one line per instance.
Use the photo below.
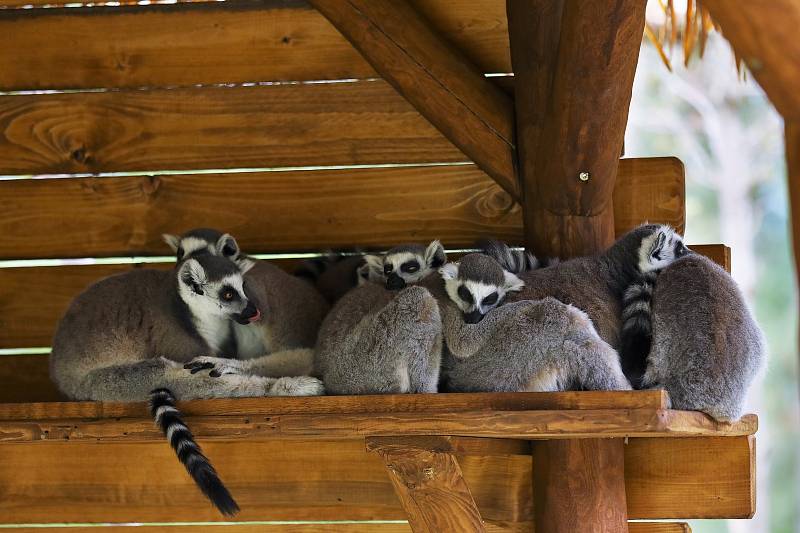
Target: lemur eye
(491, 299)
(465, 295)
(180, 252)
(228, 295)
(410, 267)
(387, 268)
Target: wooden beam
(574, 64)
(579, 485)
(434, 77)
(430, 486)
(763, 34)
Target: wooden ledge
(527, 416)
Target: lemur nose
(395, 282)
(473, 317)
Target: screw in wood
(584, 176)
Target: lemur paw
(297, 386)
(217, 366)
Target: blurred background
(730, 138)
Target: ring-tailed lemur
(126, 337)
(376, 341)
(597, 284)
(541, 345)
(706, 346)
(282, 343)
(405, 264)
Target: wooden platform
(301, 459)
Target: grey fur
(375, 341)
(393, 266)
(514, 261)
(540, 345)
(131, 333)
(292, 312)
(707, 348)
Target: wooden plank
(209, 43)
(543, 424)
(719, 253)
(666, 465)
(311, 210)
(452, 445)
(434, 77)
(347, 123)
(659, 527)
(326, 480)
(387, 403)
(26, 378)
(430, 487)
(579, 484)
(571, 110)
(762, 33)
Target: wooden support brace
(472, 112)
(579, 485)
(429, 483)
(573, 64)
(762, 32)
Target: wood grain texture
(26, 378)
(430, 487)
(763, 34)
(434, 77)
(572, 92)
(209, 43)
(334, 480)
(659, 527)
(719, 253)
(304, 210)
(579, 485)
(348, 123)
(387, 403)
(543, 424)
(668, 463)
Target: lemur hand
(217, 366)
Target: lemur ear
(193, 275)
(362, 273)
(511, 283)
(227, 246)
(449, 271)
(374, 263)
(173, 241)
(245, 264)
(434, 255)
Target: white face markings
(471, 295)
(660, 249)
(409, 266)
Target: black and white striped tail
(514, 261)
(312, 269)
(637, 327)
(168, 418)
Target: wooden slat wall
(351, 123)
(207, 43)
(271, 480)
(312, 210)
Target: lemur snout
(473, 317)
(395, 282)
(249, 314)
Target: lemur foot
(297, 386)
(217, 366)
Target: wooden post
(430, 486)
(573, 64)
(579, 485)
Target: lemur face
(404, 265)
(203, 241)
(659, 249)
(212, 286)
(477, 284)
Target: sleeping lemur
(528, 345)
(381, 341)
(706, 346)
(127, 337)
(281, 344)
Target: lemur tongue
(256, 317)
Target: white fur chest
(251, 340)
(214, 332)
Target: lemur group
(647, 314)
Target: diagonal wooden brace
(429, 483)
